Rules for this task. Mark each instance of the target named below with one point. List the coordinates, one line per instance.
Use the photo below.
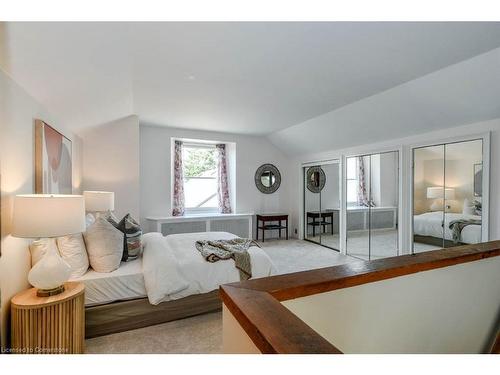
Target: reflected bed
(430, 224)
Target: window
(199, 165)
(352, 181)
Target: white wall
(446, 310)
(251, 152)
(18, 110)
(111, 163)
(234, 338)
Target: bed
(428, 228)
(170, 281)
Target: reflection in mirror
(267, 178)
(384, 212)
(447, 195)
(372, 205)
(358, 203)
(428, 194)
(462, 222)
(311, 208)
(322, 204)
(330, 206)
(315, 179)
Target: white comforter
(430, 224)
(174, 269)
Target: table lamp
(99, 202)
(438, 193)
(48, 216)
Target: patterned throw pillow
(132, 244)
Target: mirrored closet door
(322, 204)
(372, 201)
(447, 195)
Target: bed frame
(126, 315)
(435, 241)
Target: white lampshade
(439, 192)
(99, 201)
(40, 215)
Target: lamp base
(50, 292)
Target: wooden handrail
(256, 303)
(495, 349)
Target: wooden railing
(275, 329)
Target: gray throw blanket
(236, 249)
(457, 226)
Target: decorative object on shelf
(478, 180)
(49, 325)
(53, 161)
(440, 195)
(316, 179)
(267, 178)
(48, 216)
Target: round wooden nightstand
(49, 325)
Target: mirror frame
(322, 179)
(258, 175)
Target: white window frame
(199, 210)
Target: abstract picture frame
(53, 161)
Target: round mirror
(316, 179)
(267, 178)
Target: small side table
(49, 325)
(264, 218)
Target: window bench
(239, 224)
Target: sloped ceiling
(261, 78)
(463, 93)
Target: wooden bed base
(435, 241)
(126, 315)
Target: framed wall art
(53, 161)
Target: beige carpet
(296, 255)
(203, 333)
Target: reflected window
(352, 181)
(372, 205)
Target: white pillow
(38, 249)
(469, 208)
(73, 251)
(104, 246)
